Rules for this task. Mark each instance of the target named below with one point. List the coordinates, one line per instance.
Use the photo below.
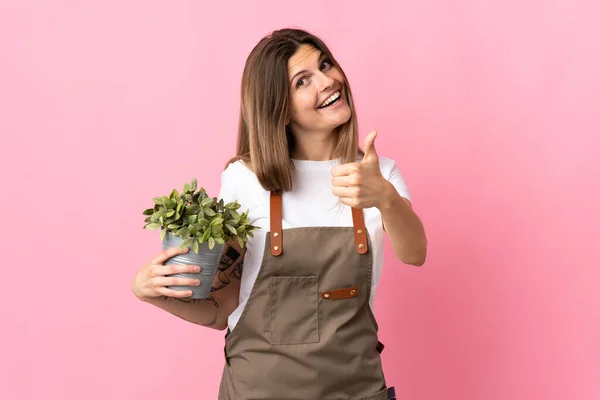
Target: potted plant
(202, 223)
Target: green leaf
(209, 212)
(181, 231)
(170, 213)
(208, 202)
(233, 222)
(185, 243)
(192, 209)
(152, 226)
(206, 236)
(148, 211)
(231, 229)
(186, 188)
(169, 221)
(196, 246)
(157, 200)
(240, 241)
(219, 240)
(216, 221)
(163, 234)
(173, 227)
(149, 219)
(174, 194)
(203, 222)
(194, 184)
(211, 243)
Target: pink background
(489, 108)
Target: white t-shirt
(310, 203)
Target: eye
(301, 82)
(326, 64)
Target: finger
(348, 180)
(162, 270)
(370, 145)
(349, 201)
(341, 191)
(168, 253)
(174, 293)
(162, 281)
(345, 169)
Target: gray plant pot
(207, 259)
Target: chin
(344, 116)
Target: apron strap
(360, 231)
(276, 230)
(276, 233)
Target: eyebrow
(321, 56)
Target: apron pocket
(294, 309)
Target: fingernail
(196, 268)
(197, 282)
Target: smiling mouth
(331, 100)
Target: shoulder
(386, 165)
(391, 172)
(389, 168)
(237, 170)
(232, 179)
(239, 182)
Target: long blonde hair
(264, 142)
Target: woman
(302, 326)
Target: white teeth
(331, 99)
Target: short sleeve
(228, 186)
(396, 179)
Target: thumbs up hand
(361, 185)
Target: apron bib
(307, 331)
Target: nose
(325, 81)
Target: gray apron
(307, 331)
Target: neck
(313, 146)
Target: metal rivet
(276, 234)
(276, 248)
(353, 292)
(359, 231)
(361, 246)
(326, 295)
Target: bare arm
(224, 297)
(403, 227)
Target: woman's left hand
(361, 185)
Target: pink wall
(488, 107)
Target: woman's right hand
(151, 280)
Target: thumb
(370, 145)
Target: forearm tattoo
(212, 300)
(237, 271)
(224, 274)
